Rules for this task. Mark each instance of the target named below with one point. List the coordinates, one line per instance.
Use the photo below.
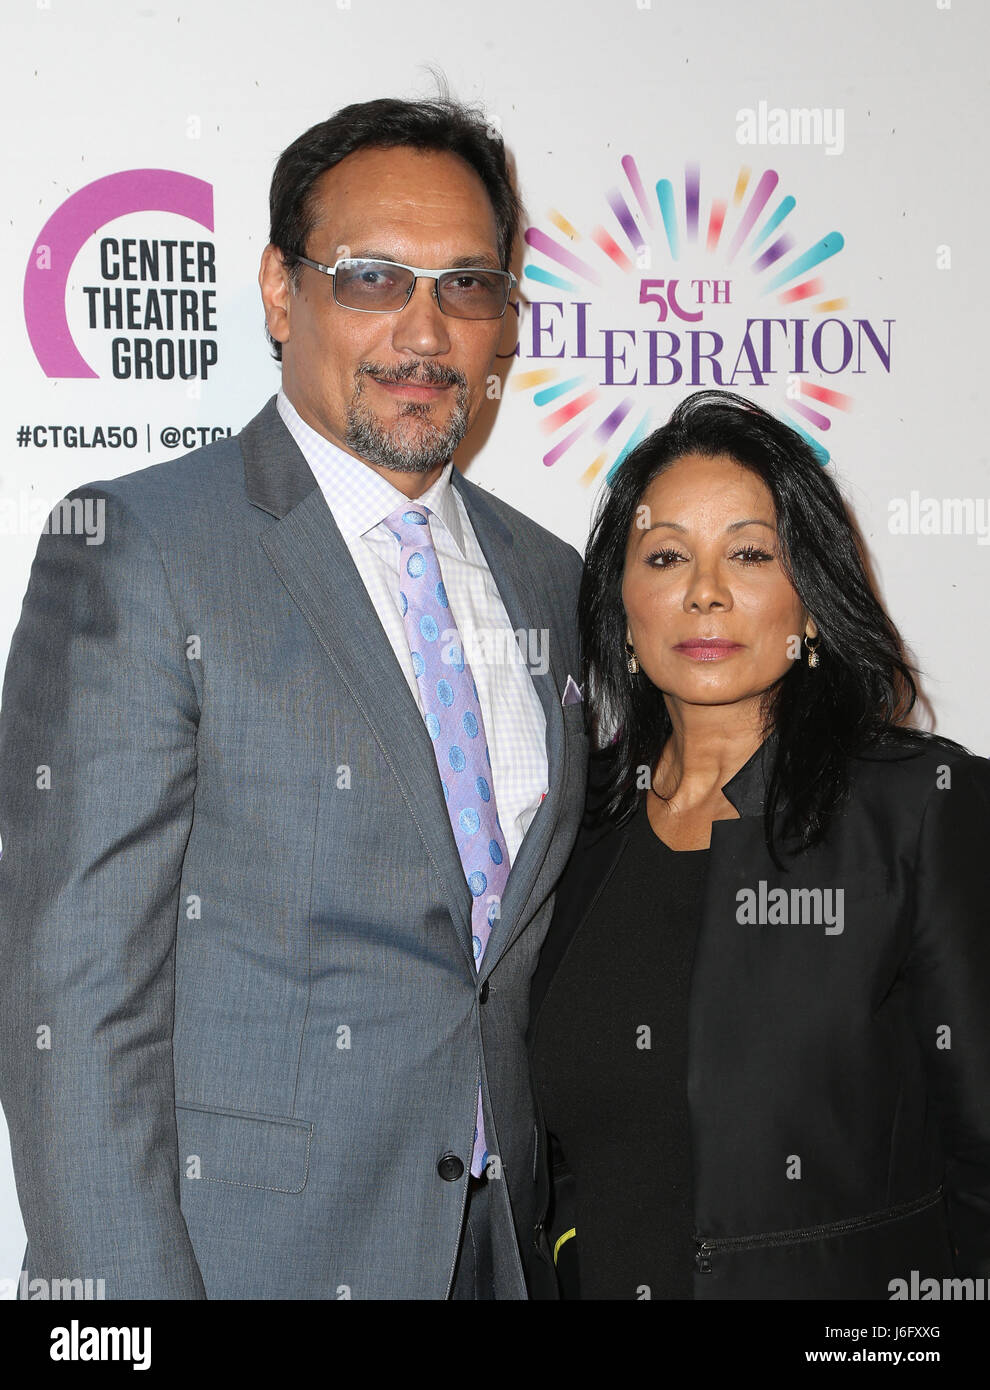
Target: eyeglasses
(383, 287)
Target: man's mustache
(422, 373)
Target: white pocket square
(572, 693)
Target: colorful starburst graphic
(748, 234)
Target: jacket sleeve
(949, 974)
(97, 773)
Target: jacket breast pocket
(244, 1150)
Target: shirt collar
(360, 498)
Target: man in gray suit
(262, 1003)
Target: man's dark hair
(442, 125)
(814, 720)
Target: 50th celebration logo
(717, 291)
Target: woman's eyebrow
(733, 526)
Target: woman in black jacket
(760, 1026)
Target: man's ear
(276, 292)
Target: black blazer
(838, 1080)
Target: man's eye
(464, 286)
(472, 282)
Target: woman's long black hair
(858, 696)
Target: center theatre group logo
(710, 296)
(164, 286)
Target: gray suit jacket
(240, 1020)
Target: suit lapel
(312, 560)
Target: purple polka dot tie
(452, 714)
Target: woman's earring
(632, 664)
(812, 650)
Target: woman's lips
(712, 649)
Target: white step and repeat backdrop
(779, 196)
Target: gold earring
(812, 650)
(632, 664)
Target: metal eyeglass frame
(419, 273)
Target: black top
(610, 1070)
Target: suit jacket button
(450, 1168)
(483, 993)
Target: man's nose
(421, 327)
